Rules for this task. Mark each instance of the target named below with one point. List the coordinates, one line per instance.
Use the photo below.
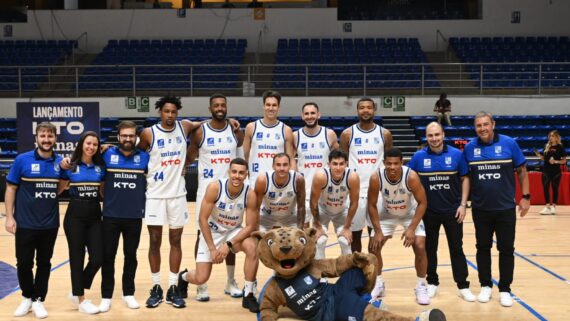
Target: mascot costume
(299, 281)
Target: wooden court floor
(541, 286)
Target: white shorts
(203, 255)
(199, 197)
(361, 216)
(390, 223)
(171, 211)
(267, 222)
(337, 220)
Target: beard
(127, 146)
(313, 125)
(219, 117)
(47, 150)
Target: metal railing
(297, 80)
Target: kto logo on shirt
(35, 168)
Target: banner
(70, 119)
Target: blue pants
(347, 296)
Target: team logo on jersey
(271, 195)
(56, 167)
(308, 280)
(277, 136)
(386, 192)
(477, 152)
(137, 159)
(170, 140)
(329, 189)
(402, 191)
(304, 146)
(447, 160)
(35, 168)
(179, 139)
(97, 169)
(290, 194)
(210, 141)
(322, 144)
(376, 140)
(427, 162)
(498, 150)
(222, 206)
(229, 139)
(231, 207)
(259, 136)
(290, 291)
(114, 159)
(239, 207)
(358, 141)
(343, 189)
(160, 143)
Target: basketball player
(312, 144)
(267, 137)
(221, 216)
(281, 196)
(403, 203)
(330, 190)
(365, 143)
(215, 144)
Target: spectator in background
(553, 156)
(442, 109)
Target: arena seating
(360, 59)
(515, 54)
(163, 59)
(31, 54)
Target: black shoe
(155, 297)
(182, 285)
(173, 297)
(250, 302)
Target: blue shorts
(348, 291)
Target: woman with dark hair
(82, 223)
(553, 156)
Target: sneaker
(506, 299)
(105, 305)
(553, 210)
(155, 297)
(432, 290)
(131, 302)
(87, 307)
(422, 296)
(232, 289)
(23, 308)
(431, 315)
(202, 294)
(182, 285)
(250, 302)
(74, 299)
(39, 310)
(379, 290)
(173, 297)
(485, 294)
(546, 211)
(467, 295)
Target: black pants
(454, 232)
(554, 180)
(503, 225)
(38, 243)
(112, 230)
(82, 225)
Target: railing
(297, 80)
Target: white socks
(249, 287)
(422, 281)
(156, 278)
(344, 246)
(172, 279)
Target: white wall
(538, 17)
(330, 106)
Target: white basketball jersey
(397, 199)
(313, 153)
(334, 195)
(228, 212)
(167, 157)
(265, 144)
(366, 153)
(216, 150)
(280, 201)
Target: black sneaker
(155, 297)
(182, 285)
(173, 297)
(250, 302)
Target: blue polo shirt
(125, 183)
(492, 167)
(84, 181)
(440, 175)
(37, 178)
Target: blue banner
(71, 120)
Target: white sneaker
(131, 302)
(485, 294)
(39, 311)
(506, 299)
(467, 295)
(546, 211)
(202, 294)
(23, 308)
(73, 299)
(87, 307)
(379, 290)
(432, 290)
(553, 210)
(422, 296)
(232, 289)
(105, 305)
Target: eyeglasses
(127, 136)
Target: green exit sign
(141, 104)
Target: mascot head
(286, 250)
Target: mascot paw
(361, 260)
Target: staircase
(403, 134)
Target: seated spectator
(554, 156)
(442, 109)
